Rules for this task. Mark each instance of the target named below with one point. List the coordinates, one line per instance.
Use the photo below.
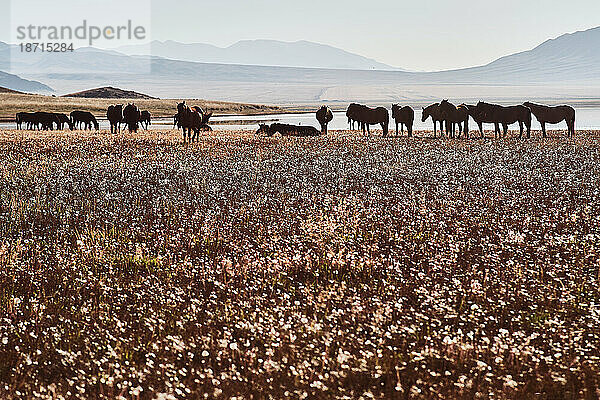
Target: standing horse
(553, 115)
(131, 117)
(351, 113)
(478, 115)
(115, 115)
(435, 113)
(62, 120)
(324, 116)
(84, 120)
(403, 116)
(367, 116)
(455, 115)
(189, 120)
(145, 118)
(507, 115)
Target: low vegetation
(11, 103)
(333, 267)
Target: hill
(5, 90)
(109, 92)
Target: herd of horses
(193, 120)
(129, 115)
(444, 113)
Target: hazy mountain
(14, 82)
(565, 66)
(259, 52)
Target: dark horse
(505, 116)
(115, 117)
(25, 118)
(190, 120)
(131, 117)
(84, 119)
(350, 114)
(63, 119)
(553, 115)
(324, 116)
(479, 116)
(435, 113)
(455, 115)
(288, 130)
(403, 116)
(369, 116)
(145, 119)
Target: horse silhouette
(433, 111)
(324, 116)
(453, 115)
(114, 114)
(190, 120)
(367, 116)
(505, 116)
(553, 115)
(131, 117)
(84, 120)
(288, 130)
(145, 119)
(403, 116)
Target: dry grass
(335, 267)
(10, 104)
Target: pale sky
(417, 35)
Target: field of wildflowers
(336, 267)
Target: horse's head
(181, 107)
(262, 129)
(425, 114)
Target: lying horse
(403, 116)
(324, 116)
(553, 115)
(114, 114)
(145, 118)
(287, 130)
(131, 117)
(505, 116)
(435, 113)
(455, 115)
(83, 119)
(369, 116)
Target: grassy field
(10, 104)
(334, 267)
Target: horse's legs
(520, 129)
(396, 128)
(409, 129)
(543, 129)
(401, 128)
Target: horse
(324, 116)
(288, 130)
(553, 115)
(403, 116)
(45, 120)
(145, 118)
(115, 115)
(435, 113)
(455, 115)
(24, 118)
(63, 119)
(367, 116)
(131, 117)
(506, 116)
(85, 119)
(480, 117)
(189, 120)
(350, 114)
